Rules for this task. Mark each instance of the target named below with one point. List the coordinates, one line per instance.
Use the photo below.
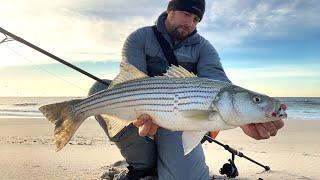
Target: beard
(179, 32)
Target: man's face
(181, 23)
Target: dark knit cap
(196, 7)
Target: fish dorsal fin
(179, 72)
(127, 73)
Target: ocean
(301, 108)
(26, 107)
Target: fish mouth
(280, 112)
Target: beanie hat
(196, 7)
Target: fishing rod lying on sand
(228, 169)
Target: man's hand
(262, 130)
(145, 125)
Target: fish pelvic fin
(66, 122)
(190, 139)
(114, 124)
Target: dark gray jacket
(195, 53)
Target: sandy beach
(27, 152)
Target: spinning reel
(229, 169)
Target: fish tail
(65, 120)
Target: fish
(178, 101)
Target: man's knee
(139, 152)
(98, 86)
(173, 164)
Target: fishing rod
(19, 39)
(228, 169)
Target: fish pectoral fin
(198, 115)
(127, 73)
(190, 139)
(114, 124)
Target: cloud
(231, 22)
(75, 30)
(95, 30)
(122, 9)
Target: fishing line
(19, 39)
(43, 69)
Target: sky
(267, 46)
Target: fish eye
(256, 99)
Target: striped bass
(178, 101)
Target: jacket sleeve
(209, 64)
(133, 50)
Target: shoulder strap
(165, 46)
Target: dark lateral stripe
(158, 110)
(127, 94)
(195, 96)
(125, 101)
(187, 103)
(122, 96)
(142, 89)
(104, 101)
(138, 88)
(168, 81)
(144, 100)
(148, 109)
(164, 84)
(133, 105)
(158, 83)
(142, 104)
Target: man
(141, 49)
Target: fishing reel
(229, 169)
